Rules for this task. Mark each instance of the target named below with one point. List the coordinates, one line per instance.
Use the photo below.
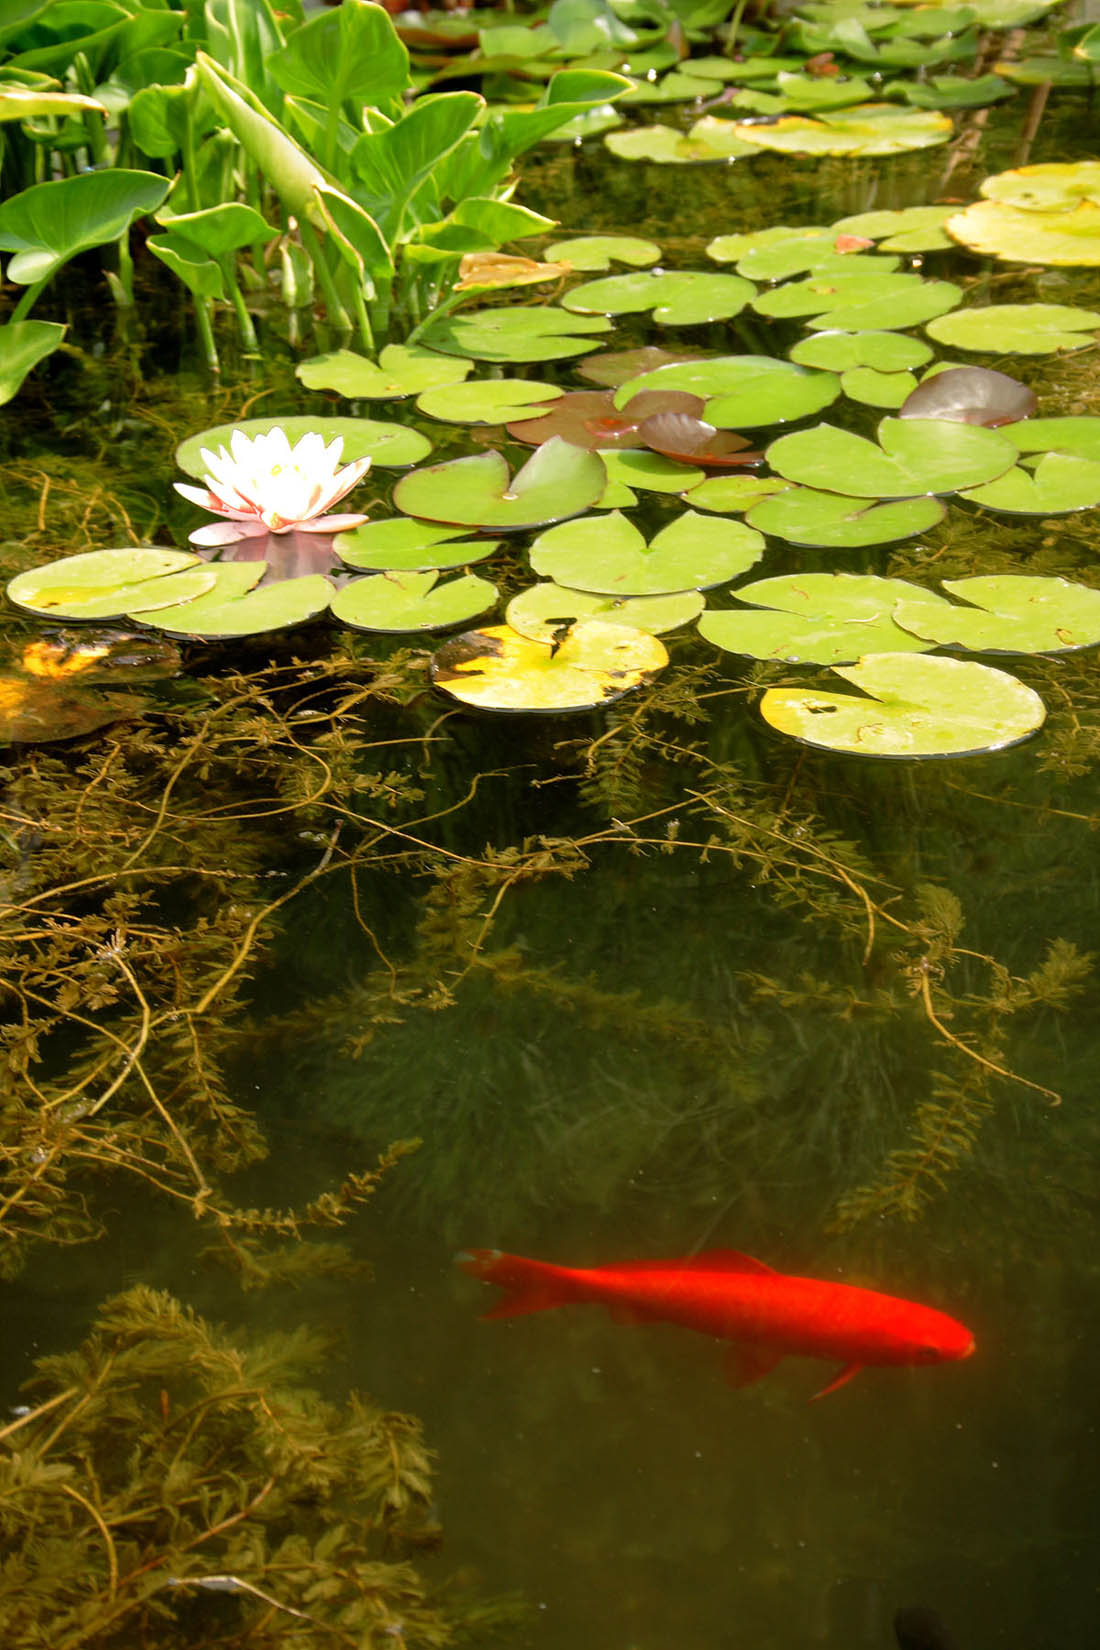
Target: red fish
(767, 1315)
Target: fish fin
(530, 1285)
(746, 1364)
(841, 1378)
(712, 1260)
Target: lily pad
(401, 369)
(1052, 186)
(1017, 329)
(730, 495)
(837, 351)
(405, 545)
(541, 611)
(592, 252)
(868, 129)
(1021, 235)
(691, 439)
(594, 664)
(1006, 613)
(971, 395)
(589, 418)
(412, 601)
(815, 618)
(1060, 484)
(106, 584)
(853, 301)
(390, 445)
(906, 229)
(615, 367)
(488, 400)
(536, 334)
(557, 481)
(677, 298)
(650, 472)
(949, 91)
(1079, 436)
(915, 456)
(709, 142)
(233, 608)
(776, 254)
(831, 521)
(609, 554)
(741, 391)
(910, 705)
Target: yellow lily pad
(499, 669)
(1020, 235)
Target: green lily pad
(677, 298)
(1060, 484)
(1021, 235)
(730, 495)
(1052, 186)
(412, 601)
(405, 545)
(710, 141)
(1007, 613)
(1017, 329)
(950, 91)
(741, 391)
(615, 367)
(915, 705)
(390, 445)
(535, 334)
(541, 611)
(592, 252)
(857, 302)
(107, 584)
(557, 481)
(488, 400)
(836, 351)
(609, 554)
(832, 521)
(877, 389)
(594, 664)
(401, 369)
(775, 254)
(916, 455)
(631, 467)
(906, 229)
(805, 94)
(1046, 70)
(815, 618)
(868, 129)
(233, 608)
(1079, 436)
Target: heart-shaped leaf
(401, 369)
(488, 400)
(888, 390)
(1007, 613)
(49, 223)
(412, 601)
(855, 301)
(906, 229)
(682, 435)
(234, 608)
(815, 618)
(910, 705)
(22, 345)
(516, 334)
(650, 472)
(1052, 186)
(837, 351)
(775, 254)
(557, 481)
(405, 545)
(589, 418)
(390, 445)
(615, 367)
(741, 391)
(678, 298)
(915, 456)
(709, 141)
(1059, 484)
(592, 252)
(498, 669)
(106, 584)
(545, 608)
(730, 495)
(1017, 329)
(1021, 235)
(1078, 436)
(832, 521)
(971, 395)
(609, 554)
(867, 129)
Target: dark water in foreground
(696, 1054)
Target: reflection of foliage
(171, 1485)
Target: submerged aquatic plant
(265, 485)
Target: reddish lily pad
(684, 436)
(615, 367)
(971, 395)
(590, 419)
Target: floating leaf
(650, 472)
(708, 142)
(594, 664)
(1007, 613)
(557, 481)
(777, 253)
(916, 705)
(100, 656)
(615, 367)
(888, 390)
(1020, 235)
(868, 129)
(107, 584)
(678, 298)
(390, 445)
(853, 301)
(815, 618)
(401, 369)
(412, 601)
(691, 439)
(516, 334)
(1053, 186)
(406, 545)
(1017, 329)
(837, 351)
(488, 400)
(908, 229)
(483, 271)
(915, 456)
(1060, 483)
(589, 418)
(948, 91)
(802, 515)
(592, 252)
(609, 554)
(541, 611)
(233, 608)
(1079, 436)
(741, 391)
(730, 495)
(971, 395)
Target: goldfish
(767, 1315)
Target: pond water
(644, 984)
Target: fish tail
(529, 1285)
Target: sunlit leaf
(832, 521)
(1005, 613)
(1017, 329)
(107, 584)
(542, 610)
(815, 618)
(557, 481)
(404, 544)
(741, 391)
(610, 555)
(234, 608)
(488, 400)
(971, 395)
(516, 334)
(838, 351)
(677, 297)
(49, 223)
(34, 712)
(592, 252)
(22, 345)
(914, 456)
(389, 445)
(412, 601)
(401, 369)
(868, 129)
(498, 669)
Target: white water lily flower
(264, 485)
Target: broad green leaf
(1006, 613)
(32, 102)
(413, 601)
(1022, 235)
(392, 164)
(390, 445)
(219, 229)
(405, 545)
(1061, 483)
(22, 345)
(677, 297)
(231, 608)
(291, 172)
(498, 669)
(1053, 186)
(541, 611)
(49, 223)
(842, 351)
(868, 129)
(1046, 71)
(948, 91)
(877, 389)
(516, 334)
(709, 142)
(815, 618)
(911, 705)
(499, 221)
(674, 87)
(1079, 436)
(805, 94)
(557, 481)
(601, 118)
(857, 301)
(730, 495)
(106, 584)
(628, 468)
(1017, 329)
(917, 455)
(591, 252)
(741, 391)
(609, 554)
(158, 117)
(832, 521)
(906, 229)
(776, 255)
(401, 369)
(198, 271)
(86, 27)
(355, 235)
(488, 400)
(351, 53)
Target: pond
(639, 982)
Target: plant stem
(244, 319)
(27, 300)
(206, 334)
(337, 314)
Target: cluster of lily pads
(703, 430)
